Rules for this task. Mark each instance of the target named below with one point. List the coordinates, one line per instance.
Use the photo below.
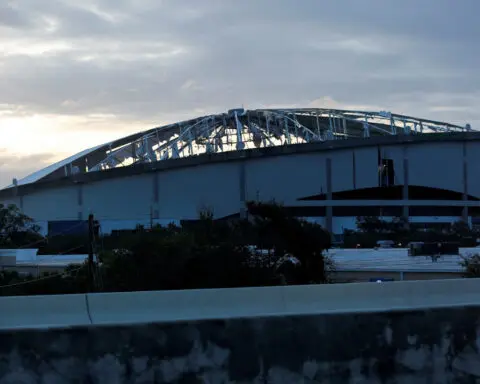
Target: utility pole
(91, 242)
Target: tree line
(270, 247)
(371, 229)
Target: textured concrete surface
(424, 346)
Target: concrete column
(465, 183)
(405, 196)
(80, 201)
(354, 167)
(243, 189)
(155, 206)
(329, 208)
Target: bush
(203, 254)
(471, 265)
(73, 280)
(16, 229)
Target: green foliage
(372, 224)
(372, 229)
(471, 265)
(16, 229)
(73, 280)
(65, 244)
(461, 229)
(286, 234)
(206, 253)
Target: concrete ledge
(375, 297)
(145, 307)
(167, 306)
(53, 311)
(171, 306)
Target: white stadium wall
(122, 198)
(439, 165)
(184, 193)
(343, 171)
(473, 168)
(285, 178)
(224, 187)
(366, 167)
(174, 195)
(52, 204)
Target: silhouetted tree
(288, 235)
(206, 253)
(16, 229)
(373, 224)
(461, 229)
(471, 265)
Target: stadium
(326, 165)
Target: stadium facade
(327, 165)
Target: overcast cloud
(87, 71)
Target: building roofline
(248, 154)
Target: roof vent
(15, 182)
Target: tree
(17, 229)
(206, 253)
(288, 235)
(471, 265)
(461, 229)
(371, 224)
(74, 279)
(399, 225)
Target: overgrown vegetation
(372, 229)
(269, 248)
(471, 265)
(16, 229)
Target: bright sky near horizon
(74, 74)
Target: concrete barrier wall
(403, 332)
(30, 312)
(37, 312)
(144, 307)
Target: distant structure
(327, 165)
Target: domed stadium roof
(238, 129)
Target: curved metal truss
(236, 130)
(239, 129)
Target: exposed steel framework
(240, 129)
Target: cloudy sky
(74, 74)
